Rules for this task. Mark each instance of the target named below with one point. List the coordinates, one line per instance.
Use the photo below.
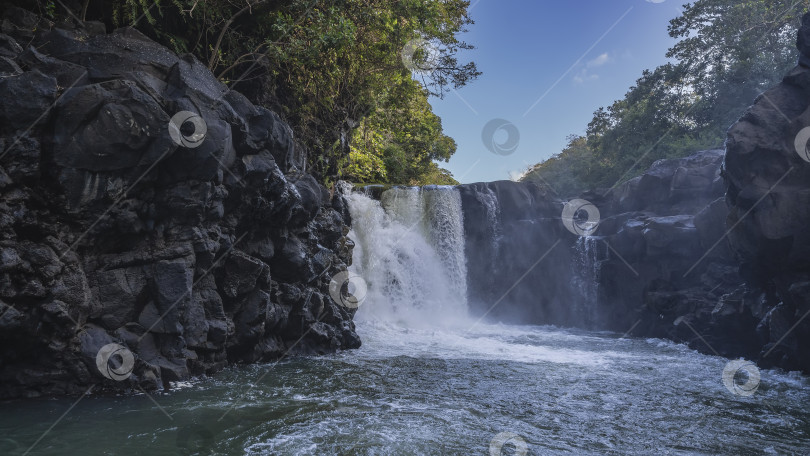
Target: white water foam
(409, 248)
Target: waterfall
(586, 277)
(409, 248)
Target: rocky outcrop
(767, 173)
(665, 265)
(515, 245)
(648, 248)
(659, 263)
(144, 204)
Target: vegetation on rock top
(728, 53)
(332, 68)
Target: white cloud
(599, 60)
(584, 76)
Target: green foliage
(327, 66)
(729, 51)
(400, 141)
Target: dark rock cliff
(508, 228)
(767, 171)
(645, 264)
(659, 264)
(144, 204)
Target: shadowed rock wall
(190, 244)
(517, 252)
(767, 171)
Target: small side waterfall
(490, 202)
(409, 248)
(586, 267)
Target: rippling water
(440, 392)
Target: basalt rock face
(192, 244)
(659, 264)
(514, 244)
(664, 262)
(767, 171)
(659, 255)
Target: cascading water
(490, 202)
(586, 266)
(410, 251)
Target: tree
(729, 51)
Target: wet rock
(9, 47)
(508, 227)
(242, 273)
(9, 67)
(291, 259)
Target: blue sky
(528, 49)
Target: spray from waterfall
(409, 248)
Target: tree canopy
(334, 69)
(727, 53)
